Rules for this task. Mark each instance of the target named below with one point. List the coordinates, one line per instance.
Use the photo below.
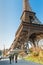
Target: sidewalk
(20, 62)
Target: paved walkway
(20, 62)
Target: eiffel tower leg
(34, 43)
(22, 46)
(37, 41)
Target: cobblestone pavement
(20, 62)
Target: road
(20, 62)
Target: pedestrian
(15, 58)
(10, 59)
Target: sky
(10, 13)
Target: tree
(0, 52)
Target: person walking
(10, 59)
(15, 58)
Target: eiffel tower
(30, 28)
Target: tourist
(15, 58)
(10, 59)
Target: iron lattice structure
(30, 28)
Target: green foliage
(30, 50)
(35, 53)
(34, 59)
(0, 52)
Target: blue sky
(10, 13)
